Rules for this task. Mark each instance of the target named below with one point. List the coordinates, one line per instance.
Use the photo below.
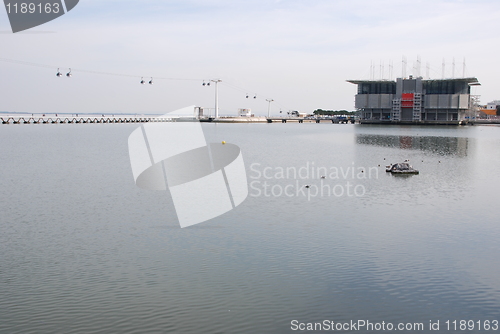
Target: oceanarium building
(414, 100)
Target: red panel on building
(406, 104)
(407, 97)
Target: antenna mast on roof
(403, 69)
(418, 66)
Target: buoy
(223, 142)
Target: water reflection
(457, 146)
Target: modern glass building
(414, 100)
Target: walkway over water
(334, 120)
(83, 119)
(26, 119)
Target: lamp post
(269, 107)
(216, 97)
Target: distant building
(491, 108)
(414, 100)
(244, 112)
(199, 112)
(296, 113)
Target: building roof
(357, 82)
(471, 81)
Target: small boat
(401, 168)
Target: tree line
(334, 112)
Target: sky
(298, 53)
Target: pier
(477, 121)
(10, 119)
(333, 120)
(83, 119)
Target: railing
(71, 120)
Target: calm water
(83, 250)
